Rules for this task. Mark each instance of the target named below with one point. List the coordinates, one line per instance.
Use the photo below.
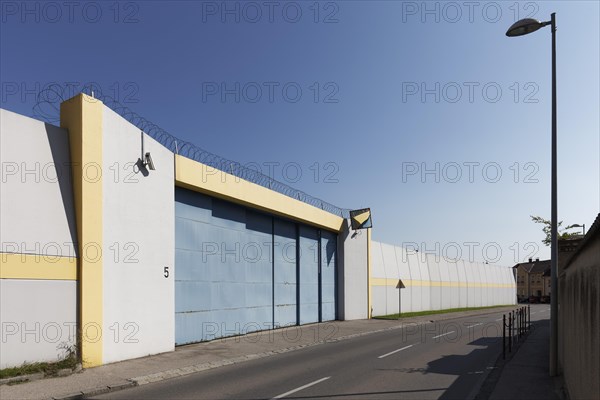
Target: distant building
(533, 278)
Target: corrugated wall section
(434, 283)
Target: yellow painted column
(82, 116)
(370, 302)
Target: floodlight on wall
(361, 219)
(148, 161)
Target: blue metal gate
(238, 270)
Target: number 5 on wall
(166, 272)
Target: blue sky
(424, 111)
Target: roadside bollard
(510, 332)
(503, 336)
(518, 325)
(528, 318)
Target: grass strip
(432, 312)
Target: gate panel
(284, 273)
(223, 273)
(309, 275)
(328, 275)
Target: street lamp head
(525, 26)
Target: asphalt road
(443, 360)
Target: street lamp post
(519, 28)
(579, 226)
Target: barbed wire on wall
(47, 108)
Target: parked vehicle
(545, 299)
(534, 299)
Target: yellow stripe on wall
(408, 282)
(35, 266)
(82, 116)
(199, 177)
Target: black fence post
(503, 336)
(517, 325)
(529, 318)
(521, 321)
(510, 331)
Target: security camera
(148, 161)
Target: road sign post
(400, 286)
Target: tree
(547, 228)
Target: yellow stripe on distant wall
(82, 116)
(199, 177)
(408, 282)
(36, 266)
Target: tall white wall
(434, 283)
(352, 273)
(36, 200)
(37, 314)
(406, 293)
(139, 242)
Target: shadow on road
(370, 395)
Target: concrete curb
(22, 378)
(95, 392)
(40, 375)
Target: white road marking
(443, 334)
(472, 326)
(499, 319)
(301, 388)
(395, 351)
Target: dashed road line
(395, 351)
(443, 334)
(301, 388)
(473, 326)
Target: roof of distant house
(535, 267)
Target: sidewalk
(203, 356)
(525, 375)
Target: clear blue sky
(387, 89)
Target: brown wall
(579, 321)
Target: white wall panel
(352, 273)
(379, 301)
(404, 270)
(434, 276)
(36, 195)
(38, 319)
(415, 273)
(393, 274)
(139, 242)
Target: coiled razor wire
(47, 109)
